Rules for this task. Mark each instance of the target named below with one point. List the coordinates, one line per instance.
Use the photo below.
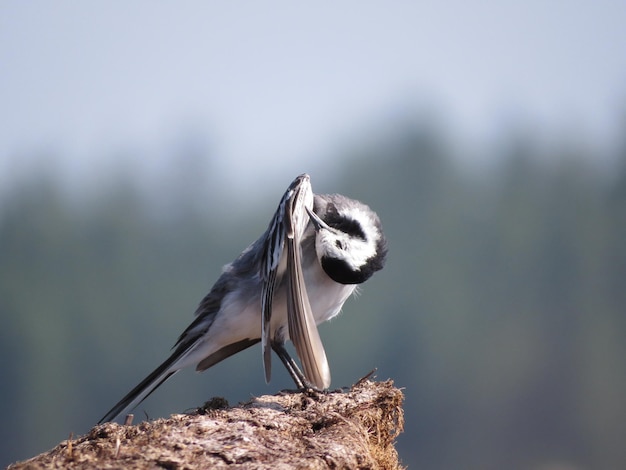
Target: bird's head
(349, 240)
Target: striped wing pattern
(287, 227)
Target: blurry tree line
(500, 311)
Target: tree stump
(352, 429)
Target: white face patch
(354, 250)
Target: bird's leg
(294, 371)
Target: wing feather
(269, 264)
(302, 327)
(287, 226)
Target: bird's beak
(317, 222)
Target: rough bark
(353, 429)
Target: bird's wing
(270, 262)
(302, 327)
(287, 227)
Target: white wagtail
(298, 274)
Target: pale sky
(276, 82)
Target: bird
(315, 252)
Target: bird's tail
(145, 388)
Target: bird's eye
(339, 244)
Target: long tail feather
(144, 389)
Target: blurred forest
(500, 311)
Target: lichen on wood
(344, 429)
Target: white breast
(325, 295)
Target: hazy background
(143, 145)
